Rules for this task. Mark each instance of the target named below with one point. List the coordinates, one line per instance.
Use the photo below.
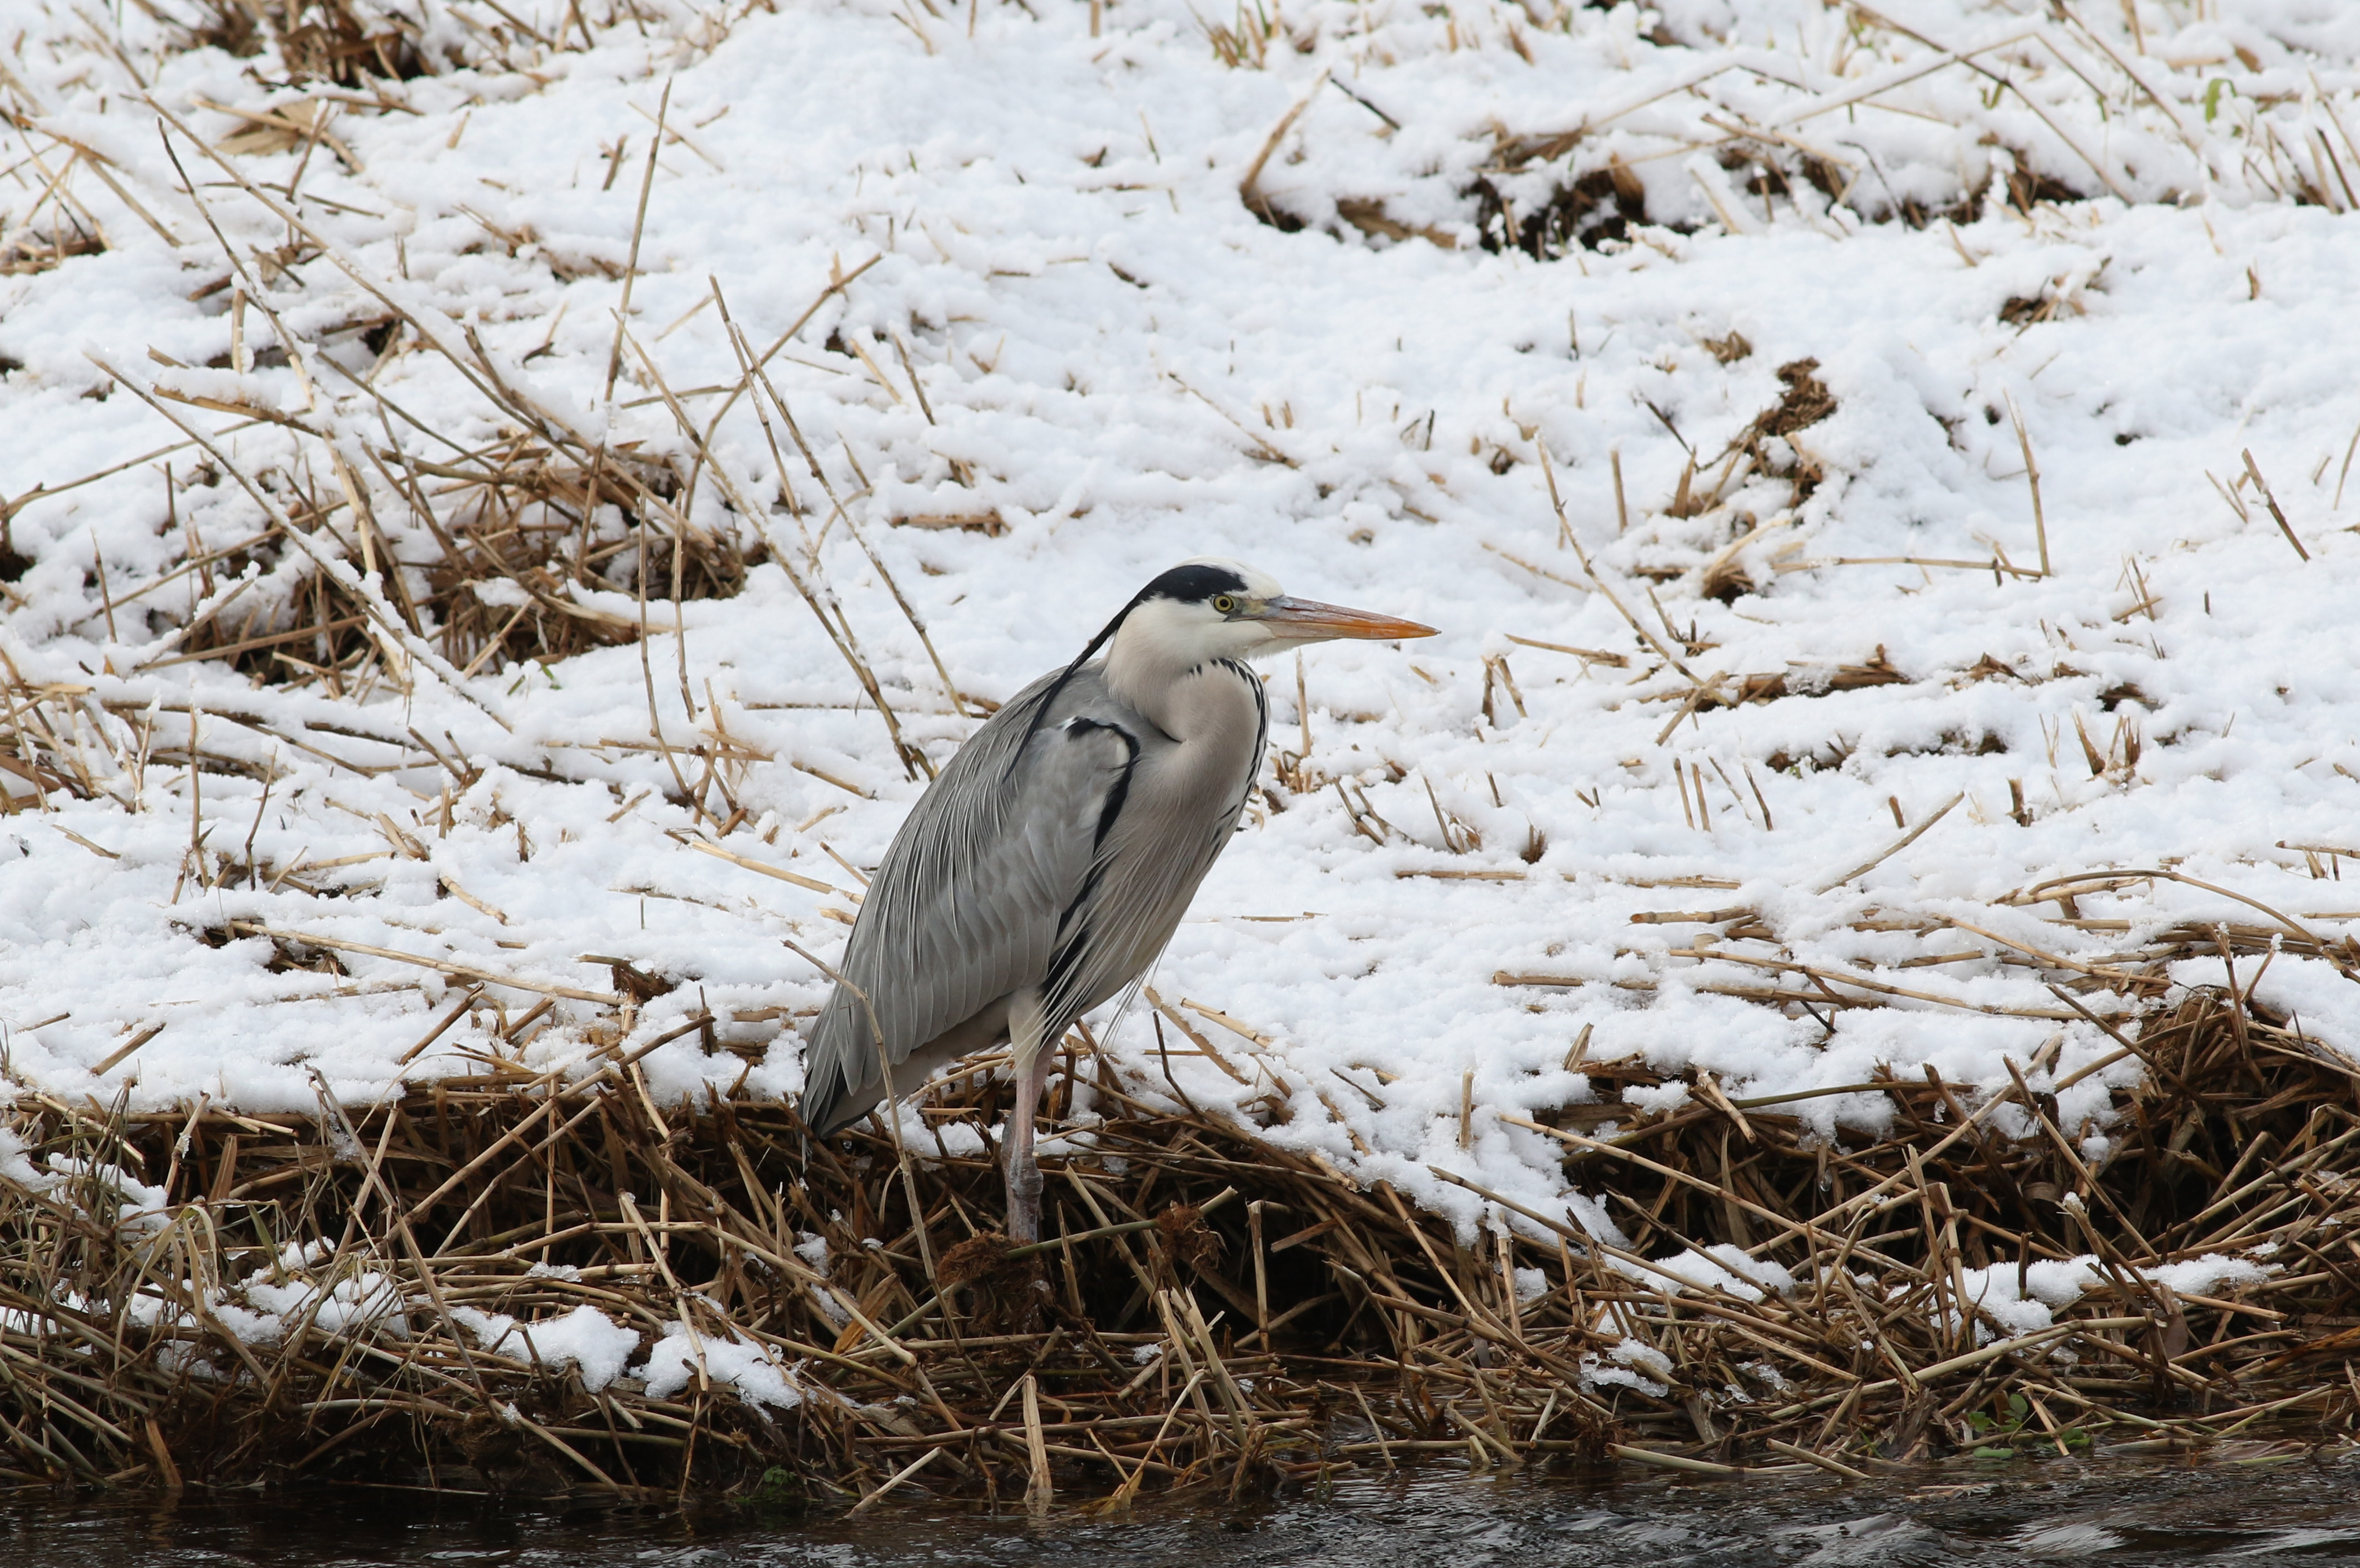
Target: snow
(736, 1364)
(139, 1208)
(2028, 1303)
(285, 1295)
(1723, 1268)
(1628, 1363)
(584, 1339)
(811, 1247)
(370, 1300)
(1123, 366)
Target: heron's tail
(836, 1093)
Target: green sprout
(2007, 1436)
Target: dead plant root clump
(379, 1296)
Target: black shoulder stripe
(1073, 943)
(1068, 956)
(1262, 715)
(1120, 790)
(1261, 735)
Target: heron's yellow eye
(1224, 603)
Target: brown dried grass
(545, 516)
(335, 42)
(1305, 1323)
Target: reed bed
(1211, 1309)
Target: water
(2107, 1512)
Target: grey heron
(1046, 868)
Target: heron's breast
(1196, 774)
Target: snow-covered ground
(2126, 228)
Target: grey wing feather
(966, 906)
(1172, 829)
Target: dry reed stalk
(2032, 477)
(2262, 489)
(1249, 184)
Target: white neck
(1150, 659)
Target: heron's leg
(1023, 1172)
(1024, 1181)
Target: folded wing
(967, 909)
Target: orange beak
(1307, 620)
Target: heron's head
(1213, 608)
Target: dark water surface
(2120, 1511)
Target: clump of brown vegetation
(1209, 1310)
(325, 40)
(356, 43)
(373, 553)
